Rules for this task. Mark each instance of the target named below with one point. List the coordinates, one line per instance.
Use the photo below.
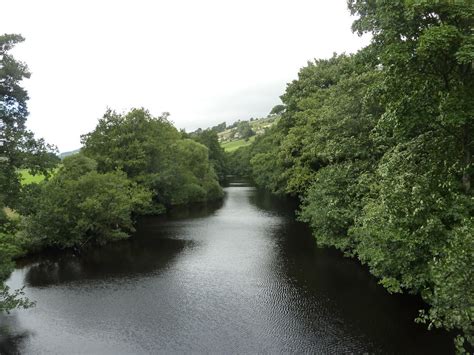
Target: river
(241, 276)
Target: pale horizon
(205, 62)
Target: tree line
(378, 147)
(131, 164)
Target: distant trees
(221, 127)
(278, 109)
(217, 155)
(244, 129)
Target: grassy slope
(234, 145)
(27, 178)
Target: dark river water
(239, 277)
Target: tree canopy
(18, 149)
(153, 154)
(378, 147)
(79, 205)
(217, 155)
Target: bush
(80, 206)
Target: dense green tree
(333, 202)
(80, 205)
(221, 127)
(244, 130)
(155, 155)
(238, 162)
(412, 223)
(427, 52)
(217, 155)
(278, 109)
(378, 147)
(263, 149)
(452, 296)
(188, 178)
(136, 142)
(9, 248)
(18, 148)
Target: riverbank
(243, 276)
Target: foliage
(452, 297)
(221, 127)
(9, 248)
(217, 155)
(155, 155)
(80, 205)
(239, 161)
(18, 148)
(10, 300)
(378, 146)
(423, 195)
(244, 130)
(333, 202)
(278, 109)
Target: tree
(18, 148)
(217, 155)
(9, 248)
(378, 148)
(221, 127)
(80, 206)
(245, 130)
(427, 51)
(151, 152)
(413, 224)
(278, 109)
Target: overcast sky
(203, 61)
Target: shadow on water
(12, 335)
(347, 291)
(125, 259)
(239, 275)
(147, 251)
(122, 259)
(196, 210)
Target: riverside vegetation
(376, 145)
(131, 164)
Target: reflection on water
(123, 259)
(242, 276)
(12, 336)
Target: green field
(234, 145)
(27, 178)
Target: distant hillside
(66, 154)
(239, 129)
(236, 144)
(231, 135)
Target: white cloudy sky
(204, 61)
